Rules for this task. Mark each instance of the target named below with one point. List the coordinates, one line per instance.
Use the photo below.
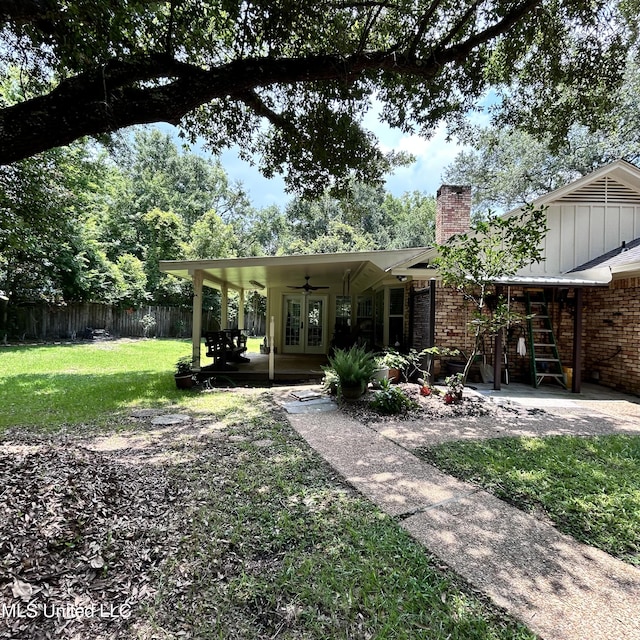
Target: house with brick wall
(590, 281)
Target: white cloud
(432, 155)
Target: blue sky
(425, 174)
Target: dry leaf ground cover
(200, 515)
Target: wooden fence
(44, 322)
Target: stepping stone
(145, 413)
(305, 396)
(170, 418)
(321, 405)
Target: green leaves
(292, 80)
(353, 366)
(473, 262)
(493, 248)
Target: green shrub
(330, 382)
(353, 366)
(391, 400)
(392, 359)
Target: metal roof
(591, 278)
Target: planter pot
(184, 380)
(380, 374)
(353, 392)
(394, 374)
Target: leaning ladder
(544, 357)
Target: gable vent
(603, 191)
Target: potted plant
(183, 373)
(354, 368)
(455, 386)
(394, 361)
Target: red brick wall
(610, 334)
(453, 315)
(453, 208)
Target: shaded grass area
(50, 385)
(261, 539)
(253, 344)
(589, 487)
(278, 546)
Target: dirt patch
(476, 418)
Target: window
(396, 317)
(343, 314)
(365, 319)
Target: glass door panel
(315, 333)
(292, 324)
(305, 320)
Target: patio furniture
(224, 347)
(236, 343)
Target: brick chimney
(453, 211)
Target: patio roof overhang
(364, 269)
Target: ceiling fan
(306, 286)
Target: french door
(305, 320)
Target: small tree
(473, 262)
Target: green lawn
(277, 546)
(47, 386)
(268, 542)
(589, 487)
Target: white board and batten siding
(586, 223)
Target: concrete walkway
(561, 589)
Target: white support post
(196, 333)
(224, 307)
(272, 356)
(241, 310)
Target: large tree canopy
(305, 68)
(509, 167)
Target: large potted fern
(354, 368)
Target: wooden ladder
(544, 357)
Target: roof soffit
(362, 270)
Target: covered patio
(288, 369)
(313, 302)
